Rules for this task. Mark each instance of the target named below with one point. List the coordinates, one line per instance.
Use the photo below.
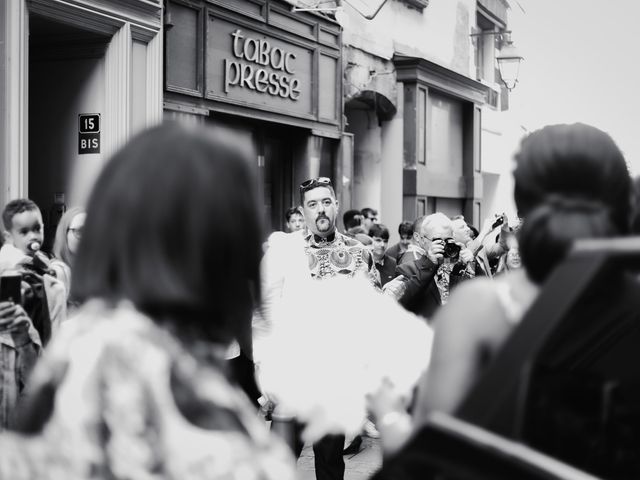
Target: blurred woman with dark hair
(571, 182)
(136, 385)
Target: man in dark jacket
(385, 264)
(405, 229)
(430, 268)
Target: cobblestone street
(358, 466)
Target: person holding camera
(20, 348)
(23, 232)
(432, 265)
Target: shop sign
(88, 133)
(249, 67)
(261, 66)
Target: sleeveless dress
(512, 309)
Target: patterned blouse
(112, 396)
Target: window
(486, 43)
(419, 4)
(445, 120)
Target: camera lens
(451, 250)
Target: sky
(581, 64)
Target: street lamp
(509, 62)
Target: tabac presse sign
(259, 65)
(248, 67)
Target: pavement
(358, 466)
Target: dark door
(276, 165)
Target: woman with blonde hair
(65, 246)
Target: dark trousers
(328, 457)
(243, 373)
(327, 451)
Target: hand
(436, 252)
(505, 223)
(466, 256)
(385, 400)
(12, 317)
(395, 288)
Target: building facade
(265, 74)
(405, 120)
(420, 79)
(77, 79)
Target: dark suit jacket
(421, 295)
(396, 251)
(387, 270)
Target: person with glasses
(347, 255)
(288, 267)
(68, 235)
(370, 218)
(432, 265)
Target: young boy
(45, 302)
(385, 264)
(23, 226)
(20, 342)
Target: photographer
(433, 264)
(20, 348)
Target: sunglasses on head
(315, 182)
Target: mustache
(321, 216)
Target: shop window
(183, 49)
(451, 207)
(421, 207)
(422, 126)
(477, 212)
(486, 45)
(445, 126)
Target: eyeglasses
(315, 182)
(443, 240)
(77, 232)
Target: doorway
(278, 149)
(66, 79)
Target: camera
(10, 287)
(499, 221)
(451, 250)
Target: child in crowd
(44, 297)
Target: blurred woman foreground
(135, 385)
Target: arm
(391, 417)
(461, 330)
(372, 272)
(500, 247)
(415, 278)
(272, 282)
(63, 273)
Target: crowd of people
(130, 351)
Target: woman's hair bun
(549, 231)
(577, 203)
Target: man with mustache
(329, 252)
(322, 253)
